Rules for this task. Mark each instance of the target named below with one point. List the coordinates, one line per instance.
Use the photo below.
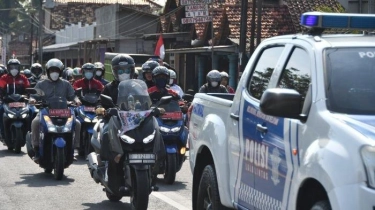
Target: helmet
(14, 64)
(224, 74)
(88, 70)
(100, 66)
(213, 76)
(136, 72)
(27, 73)
(148, 67)
(36, 70)
(122, 65)
(3, 70)
(172, 77)
(67, 73)
(160, 82)
(54, 63)
(77, 73)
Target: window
(263, 71)
(296, 74)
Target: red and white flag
(159, 50)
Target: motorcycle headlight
(368, 157)
(68, 125)
(50, 126)
(95, 120)
(164, 129)
(127, 139)
(87, 120)
(176, 129)
(24, 115)
(149, 138)
(10, 115)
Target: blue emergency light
(338, 20)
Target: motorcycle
(174, 133)
(126, 147)
(16, 112)
(56, 146)
(86, 115)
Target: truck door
(254, 160)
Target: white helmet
(172, 74)
(224, 74)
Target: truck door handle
(235, 117)
(261, 128)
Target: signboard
(190, 2)
(196, 7)
(196, 14)
(196, 19)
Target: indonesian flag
(159, 50)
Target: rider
(77, 74)
(10, 83)
(225, 80)
(147, 69)
(213, 83)
(172, 83)
(52, 87)
(68, 74)
(36, 73)
(100, 73)
(27, 73)
(88, 83)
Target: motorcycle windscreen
(57, 103)
(133, 95)
(172, 111)
(91, 98)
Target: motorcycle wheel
(141, 190)
(29, 147)
(59, 163)
(171, 169)
(17, 139)
(112, 197)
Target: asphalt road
(24, 185)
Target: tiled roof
(139, 2)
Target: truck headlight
(368, 157)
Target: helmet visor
(123, 69)
(13, 66)
(36, 71)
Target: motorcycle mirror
(165, 100)
(106, 101)
(188, 97)
(112, 112)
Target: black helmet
(67, 73)
(88, 67)
(148, 67)
(160, 82)
(36, 70)
(3, 70)
(27, 73)
(56, 64)
(213, 76)
(14, 64)
(122, 63)
(100, 66)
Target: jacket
(10, 84)
(60, 88)
(86, 84)
(102, 80)
(209, 89)
(111, 90)
(156, 94)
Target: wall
(106, 21)
(136, 46)
(75, 33)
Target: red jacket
(88, 84)
(10, 84)
(230, 89)
(156, 94)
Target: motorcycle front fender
(171, 148)
(59, 142)
(17, 124)
(90, 130)
(140, 167)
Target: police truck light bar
(338, 20)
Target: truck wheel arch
(310, 192)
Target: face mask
(89, 75)
(170, 81)
(214, 84)
(14, 72)
(123, 77)
(98, 73)
(54, 76)
(160, 83)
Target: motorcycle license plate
(141, 158)
(16, 104)
(89, 109)
(64, 113)
(172, 116)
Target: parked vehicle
(174, 132)
(126, 146)
(86, 115)
(16, 112)
(57, 122)
(299, 131)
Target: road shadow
(43, 180)
(4, 152)
(177, 185)
(106, 204)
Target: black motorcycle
(128, 145)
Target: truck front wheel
(321, 205)
(208, 192)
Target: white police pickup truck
(300, 131)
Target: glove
(162, 111)
(32, 101)
(100, 111)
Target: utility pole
(40, 51)
(243, 31)
(31, 38)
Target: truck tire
(321, 205)
(208, 185)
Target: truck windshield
(350, 80)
